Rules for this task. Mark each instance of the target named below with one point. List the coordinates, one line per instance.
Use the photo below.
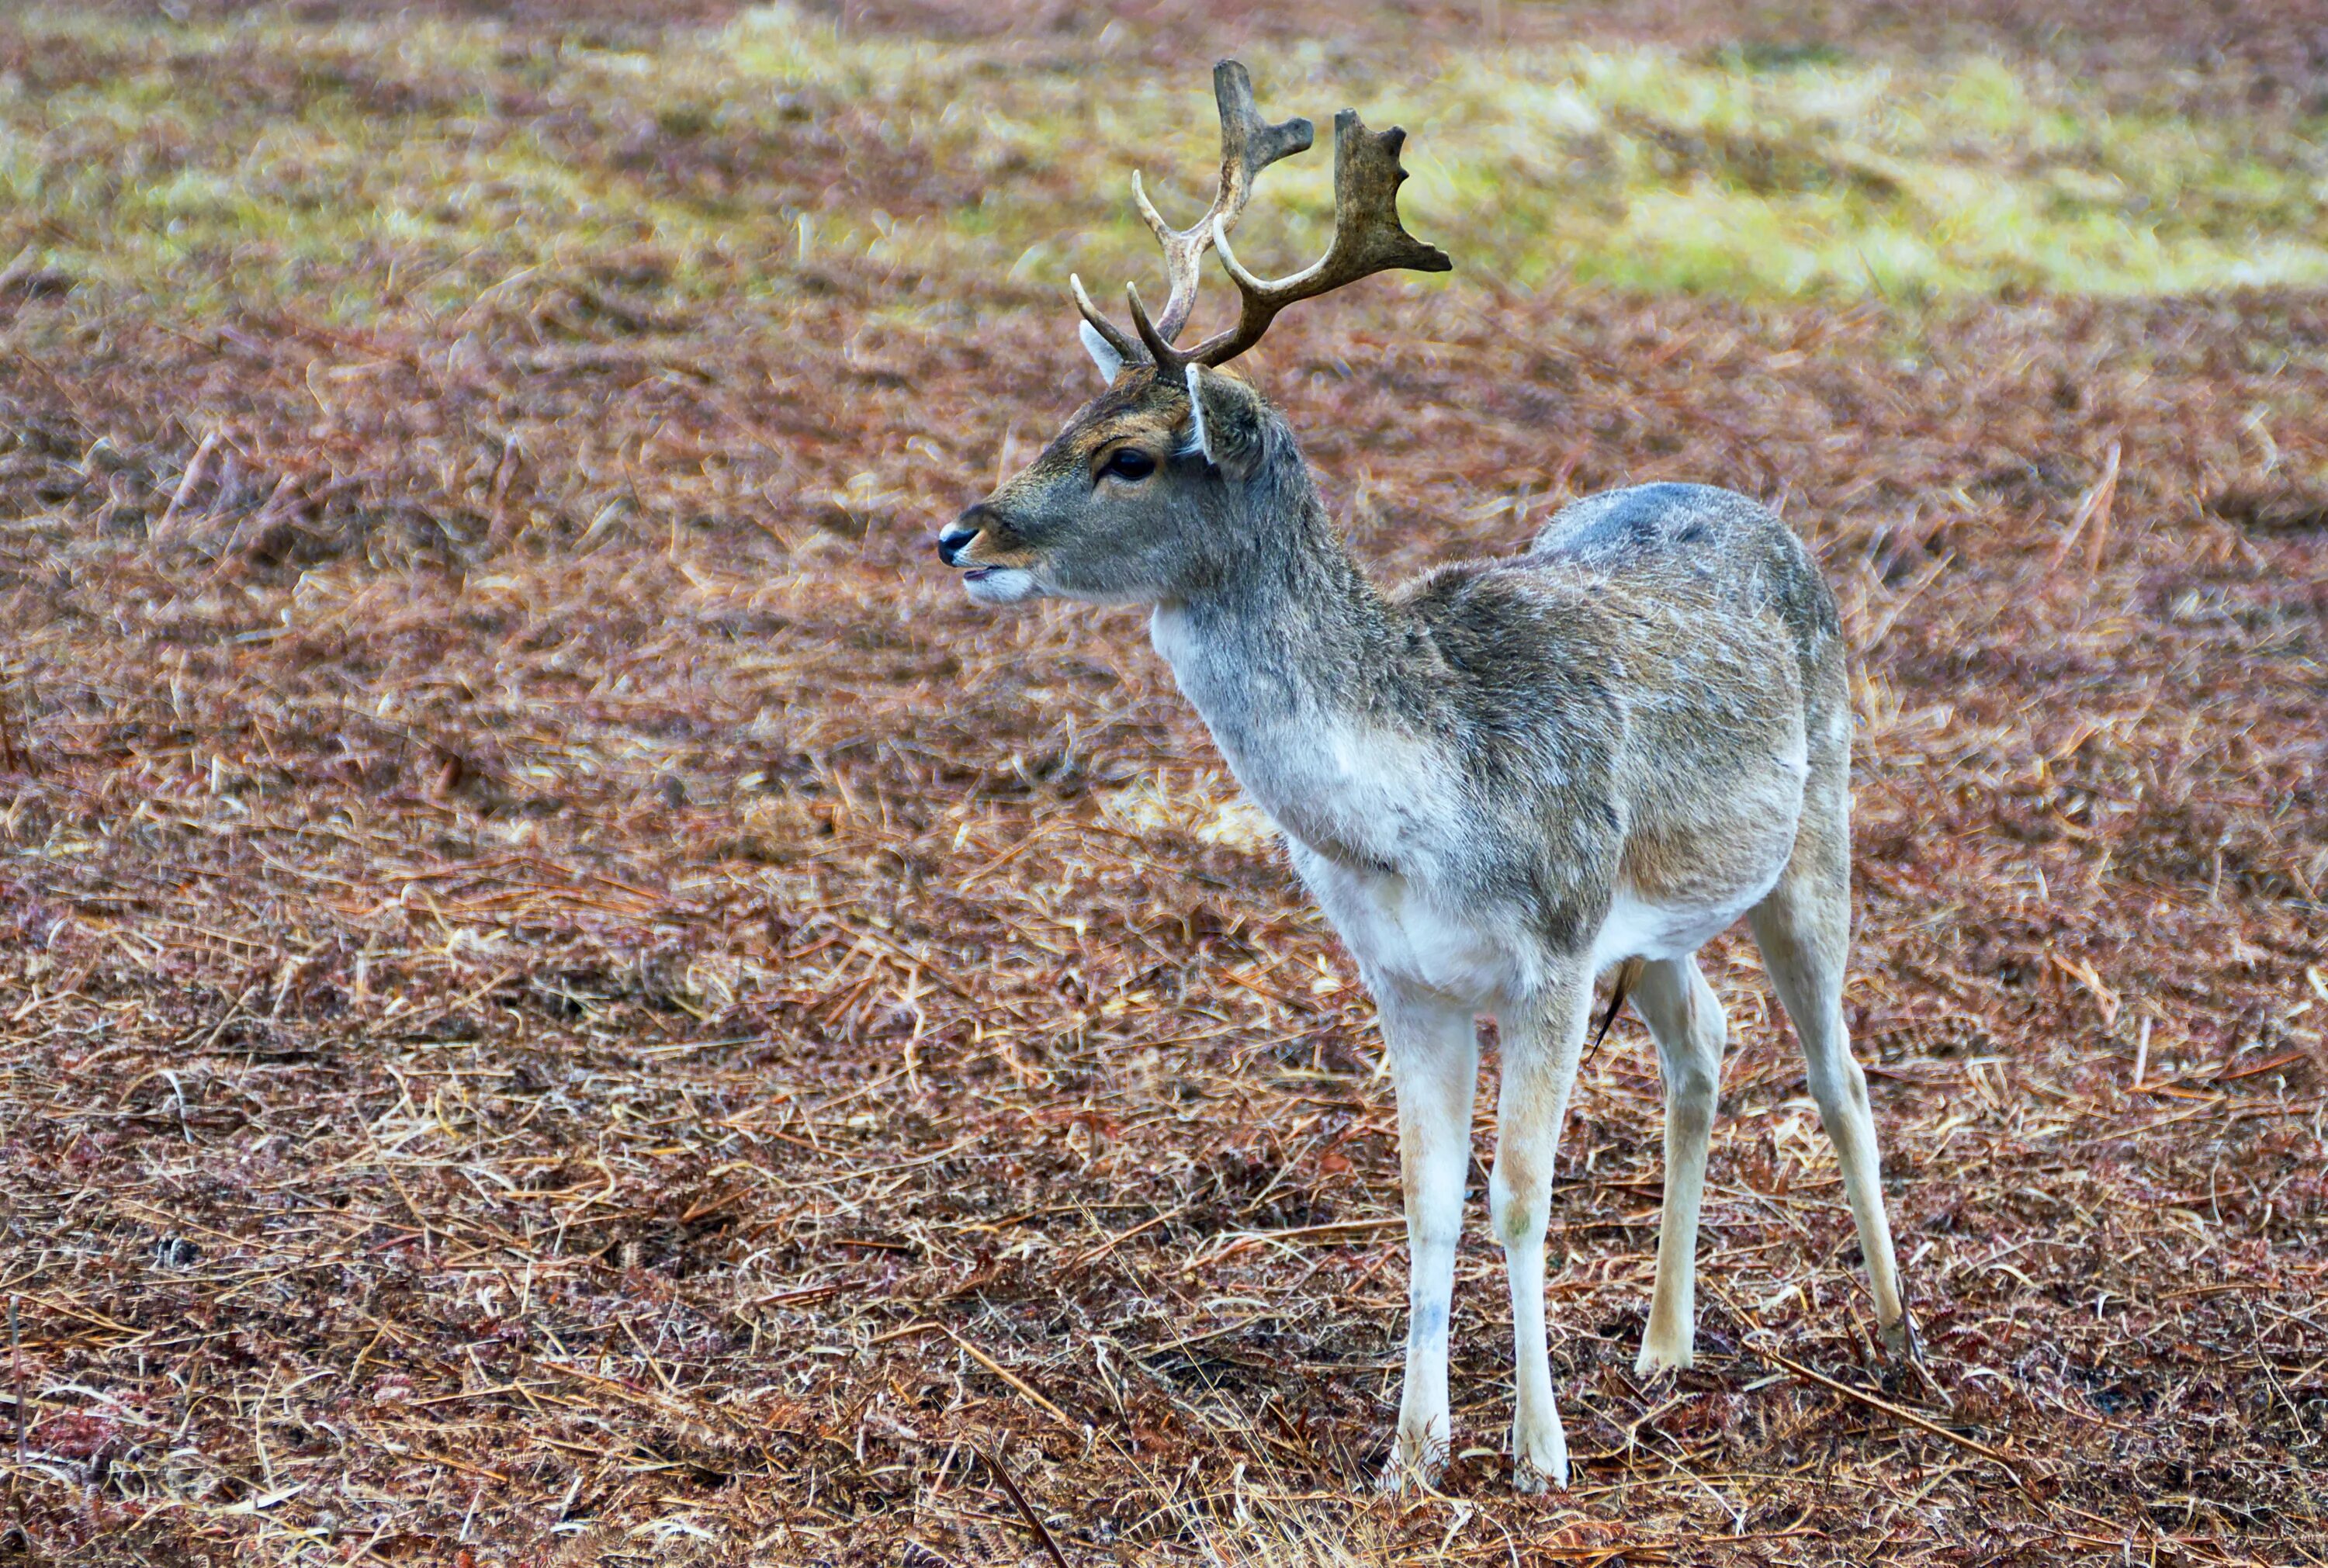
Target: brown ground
(556, 972)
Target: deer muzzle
(957, 536)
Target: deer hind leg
(1687, 1023)
(1541, 1046)
(1804, 930)
(1435, 1054)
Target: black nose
(956, 538)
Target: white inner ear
(1196, 418)
(1102, 351)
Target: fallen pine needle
(1897, 1411)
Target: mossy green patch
(412, 167)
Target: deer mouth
(999, 585)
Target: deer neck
(1289, 654)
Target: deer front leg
(1435, 1054)
(1542, 1042)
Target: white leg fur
(1541, 1047)
(1804, 930)
(1434, 1052)
(1687, 1023)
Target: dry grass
(567, 1001)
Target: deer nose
(956, 537)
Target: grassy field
(385, 164)
(564, 1000)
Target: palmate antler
(1368, 235)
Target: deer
(1498, 780)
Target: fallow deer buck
(1498, 779)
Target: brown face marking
(1038, 511)
(980, 552)
(1137, 410)
(1150, 431)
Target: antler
(1367, 237)
(1249, 144)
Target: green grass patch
(364, 169)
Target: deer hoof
(1411, 1468)
(1657, 1359)
(1531, 1479)
(1899, 1337)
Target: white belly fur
(1403, 938)
(1485, 959)
(1637, 928)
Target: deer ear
(1225, 421)
(1102, 351)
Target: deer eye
(1129, 463)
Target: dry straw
(563, 999)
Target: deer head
(1152, 488)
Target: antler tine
(1125, 349)
(1368, 239)
(1249, 144)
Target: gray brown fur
(1497, 779)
